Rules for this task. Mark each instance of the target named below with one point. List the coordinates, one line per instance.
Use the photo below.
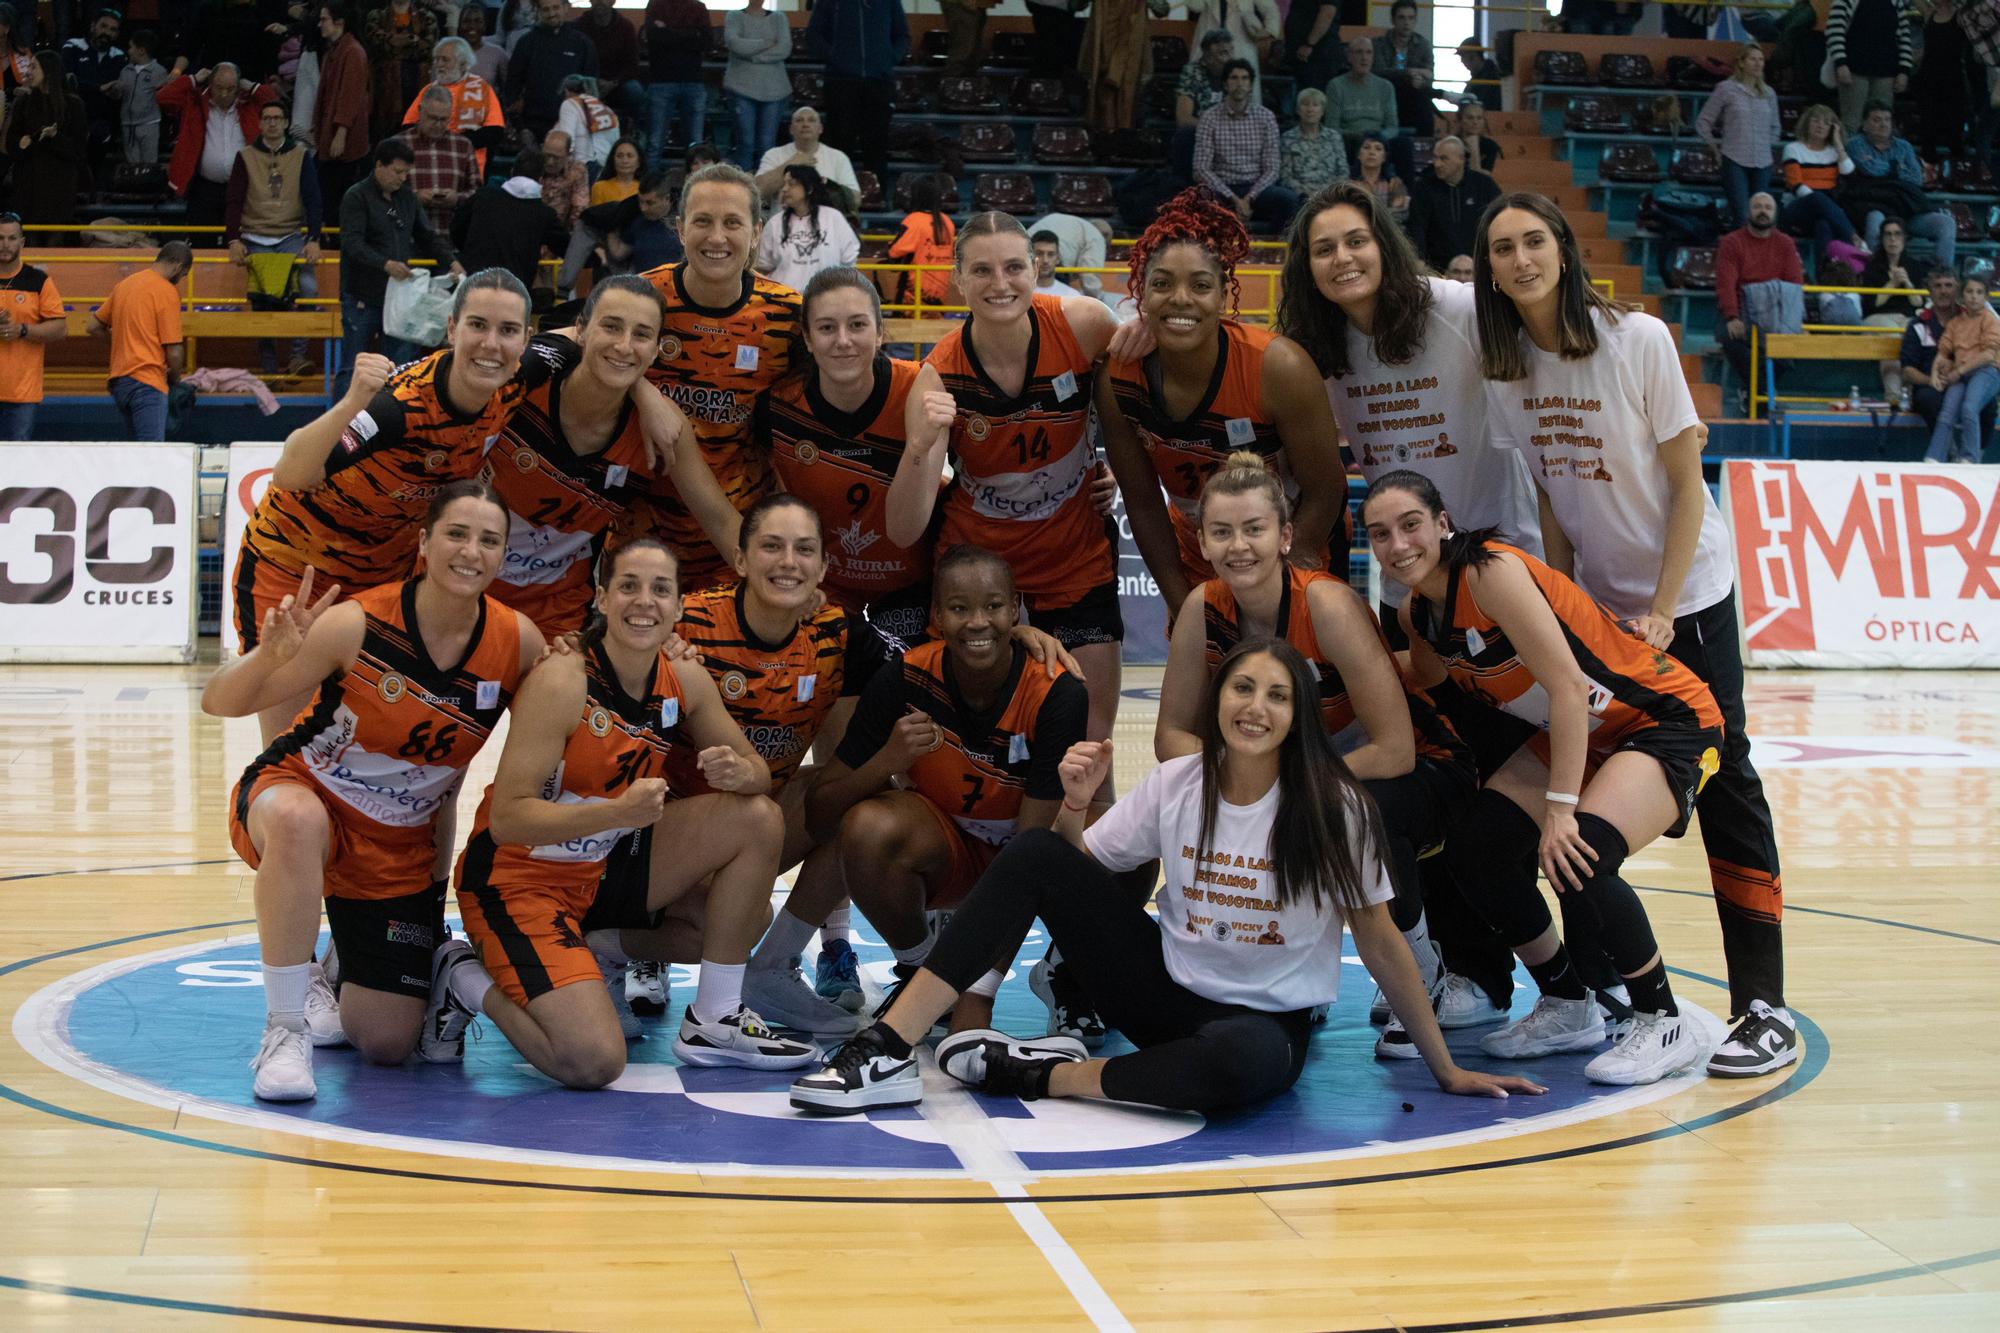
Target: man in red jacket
(1755, 252)
(217, 114)
(340, 116)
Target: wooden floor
(1861, 1189)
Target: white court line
(1069, 1265)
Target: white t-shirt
(1056, 287)
(1591, 432)
(830, 163)
(591, 147)
(794, 259)
(223, 141)
(1222, 932)
(1429, 415)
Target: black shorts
(386, 944)
(902, 617)
(1092, 618)
(622, 892)
(1689, 757)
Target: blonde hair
(1314, 96)
(1743, 53)
(1241, 473)
(1817, 111)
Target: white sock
(285, 995)
(987, 986)
(608, 945)
(839, 924)
(1426, 953)
(784, 941)
(469, 983)
(719, 993)
(914, 956)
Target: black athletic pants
(1194, 1054)
(857, 121)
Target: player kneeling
(579, 833)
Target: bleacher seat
(1085, 196)
(1696, 73)
(1691, 268)
(1971, 176)
(1968, 223)
(1161, 95)
(962, 96)
(912, 141)
(809, 89)
(1626, 70)
(1131, 148)
(1697, 164)
(1063, 146)
(1596, 115)
(947, 190)
(913, 93)
(1169, 54)
(1629, 162)
(1041, 97)
(933, 49)
(1004, 192)
(1561, 67)
(989, 141)
(135, 183)
(1013, 50)
(1933, 175)
(872, 198)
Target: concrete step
(1707, 399)
(1526, 147)
(1515, 123)
(1532, 174)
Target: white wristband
(1559, 798)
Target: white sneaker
(782, 996)
(861, 1075)
(1761, 1041)
(739, 1038)
(1462, 1004)
(1379, 1011)
(322, 1011)
(1071, 1013)
(646, 988)
(442, 1039)
(1657, 1045)
(284, 1066)
(614, 975)
(1552, 1026)
(1395, 1043)
(1615, 1003)
(994, 1062)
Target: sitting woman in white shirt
(807, 233)
(1269, 845)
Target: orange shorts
(529, 936)
(969, 859)
(258, 586)
(364, 859)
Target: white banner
(97, 552)
(249, 474)
(1865, 564)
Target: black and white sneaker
(997, 1063)
(1760, 1042)
(739, 1038)
(646, 988)
(1071, 1014)
(442, 1041)
(1395, 1043)
(862, 1075)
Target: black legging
(1418, 810)
(1194, 1053)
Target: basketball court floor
(142, 1187)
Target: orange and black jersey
(1024, 461)
(1222, 631)
(1632, 685)
(560, 506)
(391, 736)
(841, 463)
(359, 527)
(779, 693)
(713, 363)
(989, 761)
(617, 741)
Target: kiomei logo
(59, 543)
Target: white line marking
(1097, 1304)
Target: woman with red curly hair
(1208, 386)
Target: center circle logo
(177, 1029)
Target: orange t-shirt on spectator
(29, 296)
(919, 243)
(143, 313)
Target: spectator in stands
(1603, 18)
(476, 112)
(1920, 345)
(1404, 57)
(1481, 148)
(1459, 269)
(1887, 167)
(1254, 27)
(760, 41)
(1892, 266)
(1740, 122)
(135, 90)
(31, 317)
(1445, 205)
(1373, 169)
(638, 232)
(590, 126)
(509, 225)
(617, 43)
(340, 109)
(445, 169)
(806, 234)
(142, 317)
(1868, 44)
(1082, 243)
(964, 35)
(1199, 88)
(806, 149)
(698, 156)
(382, 229)
(621, 173)
(94, 59)
(864, 41)
(1312, 42)
(1360, 102)
(1814, 164)
(676, 41)
(1047, 249)
(217, 114)
(1755, 255)
(565, 183)
(547, 55)
(48, 138)
(1236, 153)
(400, 37)
(489, 59)
(1967, 372)
(927, 237)
(1116, 62)
(1058, 36)
(274, 208)
(1309, 154)
(1949, 83)
(15, 53)
(1482, 73)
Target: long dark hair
(54, 93)
(756, 514)
(1327, 825)
(1500, 325)
(594, 623)
(814, 185)
(1460, 548)
(839, 278)
(1402, 303)
(927, 196)
(470, 488)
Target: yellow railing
(1757, 358)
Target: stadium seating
(1085, 196)
(1004, 192)
(1063, 146)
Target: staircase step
(1529, 174)
(1526, 147)
(1515, 122)
(1707, 397)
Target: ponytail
(1242, 472)
(1459, 549)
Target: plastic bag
(416, 308)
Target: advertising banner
(249, 473)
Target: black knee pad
(1603, 837)
(1625, 931)
(1492, 858)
